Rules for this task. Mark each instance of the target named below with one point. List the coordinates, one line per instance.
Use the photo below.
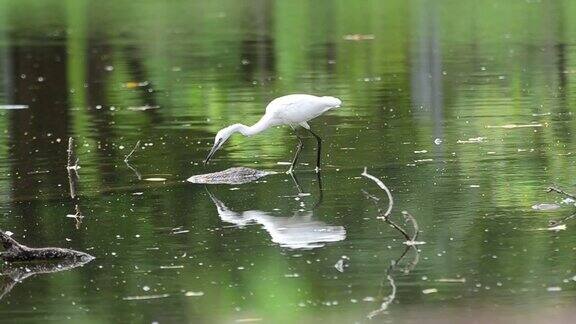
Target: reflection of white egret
(299, 231)
(293, 110)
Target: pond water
(464, 109)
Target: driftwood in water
(239, 175)
(14, 273)
(17, 252)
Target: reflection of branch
(410, 241)
(132, 152)
(388, 299)
(72, 168)
(72, 160)
(138, 175)
(383, 186)
(411, 218)
(15, 273)
(78, 217)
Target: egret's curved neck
(263, 124)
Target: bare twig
(383, 186)
(138, 175)
(411, 218)
(132, 152)
(385, 218)
(72, 159)
(560, 191)
(72, 168)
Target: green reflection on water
(453, 71)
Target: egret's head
(220, 139)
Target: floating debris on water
(172, 267)
(554, 288)
(13, 107)
(143, 108)
(194, 294)
(560, 227)
(342, 263)
(429, 291)
(451, 280)
(472, 140)
(133, 84)
(545, 207)
(237, 175)
(155, 179)
(144, 297)
(412, 243)
(358, 37)
(510, 126)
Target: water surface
(463, 109)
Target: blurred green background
(463, 108)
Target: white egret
(293, 110)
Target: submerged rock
(18, 252)
(239, 175)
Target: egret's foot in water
(290, 171)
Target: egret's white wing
(299, 108)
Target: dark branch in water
(560, 191)
(383, 186)
(18, 252)
(386, 218)
(410, 241)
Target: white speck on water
(194, 294)
(438, 141)
(368, 299)
(146, 288)
(421, 152)
(8, 233)
(155, 179)
(429, 291)
(554, 288)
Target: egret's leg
(318, 153)
(298, 149)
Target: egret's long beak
(212, 151)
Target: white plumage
(293, 110)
